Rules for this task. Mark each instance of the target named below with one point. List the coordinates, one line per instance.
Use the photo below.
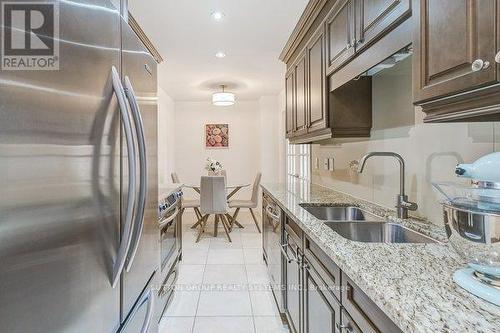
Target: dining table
(232, 188)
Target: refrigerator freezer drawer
(142, 316)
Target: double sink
(359, 225)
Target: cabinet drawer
(294, 231)
(328, 271)
(365, 313)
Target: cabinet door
(375, 17)
(340, 34)
(348, 324)
(300, 115)
(452, 36)
(290, 102)
(321, 309)
(317, 115)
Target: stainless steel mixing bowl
(475, 235)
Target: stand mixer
(472, 222)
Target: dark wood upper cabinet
(317, 103)
(290, 102)
(300, 114)
(374, 17)
(452, 36)
(454, 70)
(340, 34)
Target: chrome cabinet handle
(271, 215)
(347, 328)
(282, 249)
(288, 258)
(127, 229)
(480, 64)
(143, 177)
(497, 58)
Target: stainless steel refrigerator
(78, 181)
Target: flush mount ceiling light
(223, 98)
(217, 16)
(220, 54)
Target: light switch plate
(325, 164)
(331, 164)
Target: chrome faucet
(402, 203)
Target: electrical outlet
(325, 164)
(331, 164)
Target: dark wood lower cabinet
(321, 308)
(348, 324)
(363, 312)
(318, 296)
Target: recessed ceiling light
(220, 54)
(217, 16)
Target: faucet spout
(402, 203)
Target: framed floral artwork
(217, 135)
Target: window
(298, 162)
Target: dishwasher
(272, 242)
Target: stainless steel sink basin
(378, 232)
(340, 213)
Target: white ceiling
(252, 34)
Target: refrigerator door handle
(127, 228)
(143, 177)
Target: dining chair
(250, 204)
(195, 204)
(213, 202)
(175, 177)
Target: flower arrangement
(213, 165)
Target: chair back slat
(255, 189)
(175, 178)
(213, 195)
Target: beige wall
(166, 137)
(269, 113)
(431, 151)
(243, 157)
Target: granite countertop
(164, 190)
(411, 283)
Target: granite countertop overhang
(411, 283)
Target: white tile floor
(222, 286)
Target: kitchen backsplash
(431, 151)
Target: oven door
(168, 236)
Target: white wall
(243, 157)
(282, 139)
(269, 137)
(431, 151)
(166, 133)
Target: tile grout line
(249, 296)
(199, 292)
